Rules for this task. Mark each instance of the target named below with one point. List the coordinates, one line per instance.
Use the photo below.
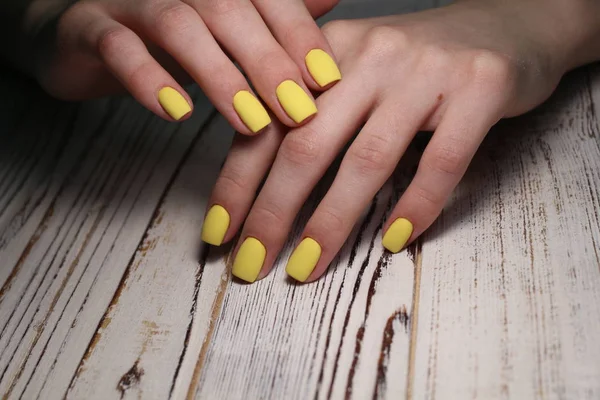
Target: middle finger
(303, 158)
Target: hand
(105, 44)
(456, 70)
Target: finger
(296, 30)
(179, 30)
(246, 165)
(301, 161)
(442, 165)
(317, 8)
(368, 163)
(238, 26)
(125, 55)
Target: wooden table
(107, 291)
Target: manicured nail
(215, 225)
(304, 259)
(173, 102)
(322, 67)
(397, 235)
(251, 111)
(294, 100)
(249, 260)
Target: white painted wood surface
(107, 292)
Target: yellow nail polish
(215, 225)
(251, 111)
(173, 102)
(294, 100)
(322, 67)
(249, 260)
(304, 259)
(397, 235)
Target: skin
(455, 70)
(99, 47)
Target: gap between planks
(414, 318)
(90, 348)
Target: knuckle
(382, 43)
(371, 156)
(300, 148)
(274, 60)
(493, 69)
(267, 214)
(112, 41)
(328, 221)
(173, 18)
(445, 159)
(138, 77)
(222, 7)
(232, 181)
(428, 199)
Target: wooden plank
(67, 258)
(152, 334)
(345, 335)
(510, 287)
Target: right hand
(103, 46)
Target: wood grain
(510, 283)
(67, 246)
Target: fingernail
(173, 103)
(304, 259)
(249, 260)
(294, 100)
(397, 235)
(322, 67)
(215, 225)
(251, 111)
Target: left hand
(456, 70)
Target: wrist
(565, 32)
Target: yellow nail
(249, 260)
(397, 235)
(304, 259)
(173, 103)
(322, 67)
(215, 225)
(294, 100)
(251, 111)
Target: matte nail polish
(215, 225)
(294, 100)
(304, 259)
(251, 111)
(173, 103)
(249, 260)
(397, 235)
(322, 67)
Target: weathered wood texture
(107, 292)
(509, 301)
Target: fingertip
(251, 112)
(174, 103)
(295, 101)
(322, 68)
(304, 259)
(397, 235)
